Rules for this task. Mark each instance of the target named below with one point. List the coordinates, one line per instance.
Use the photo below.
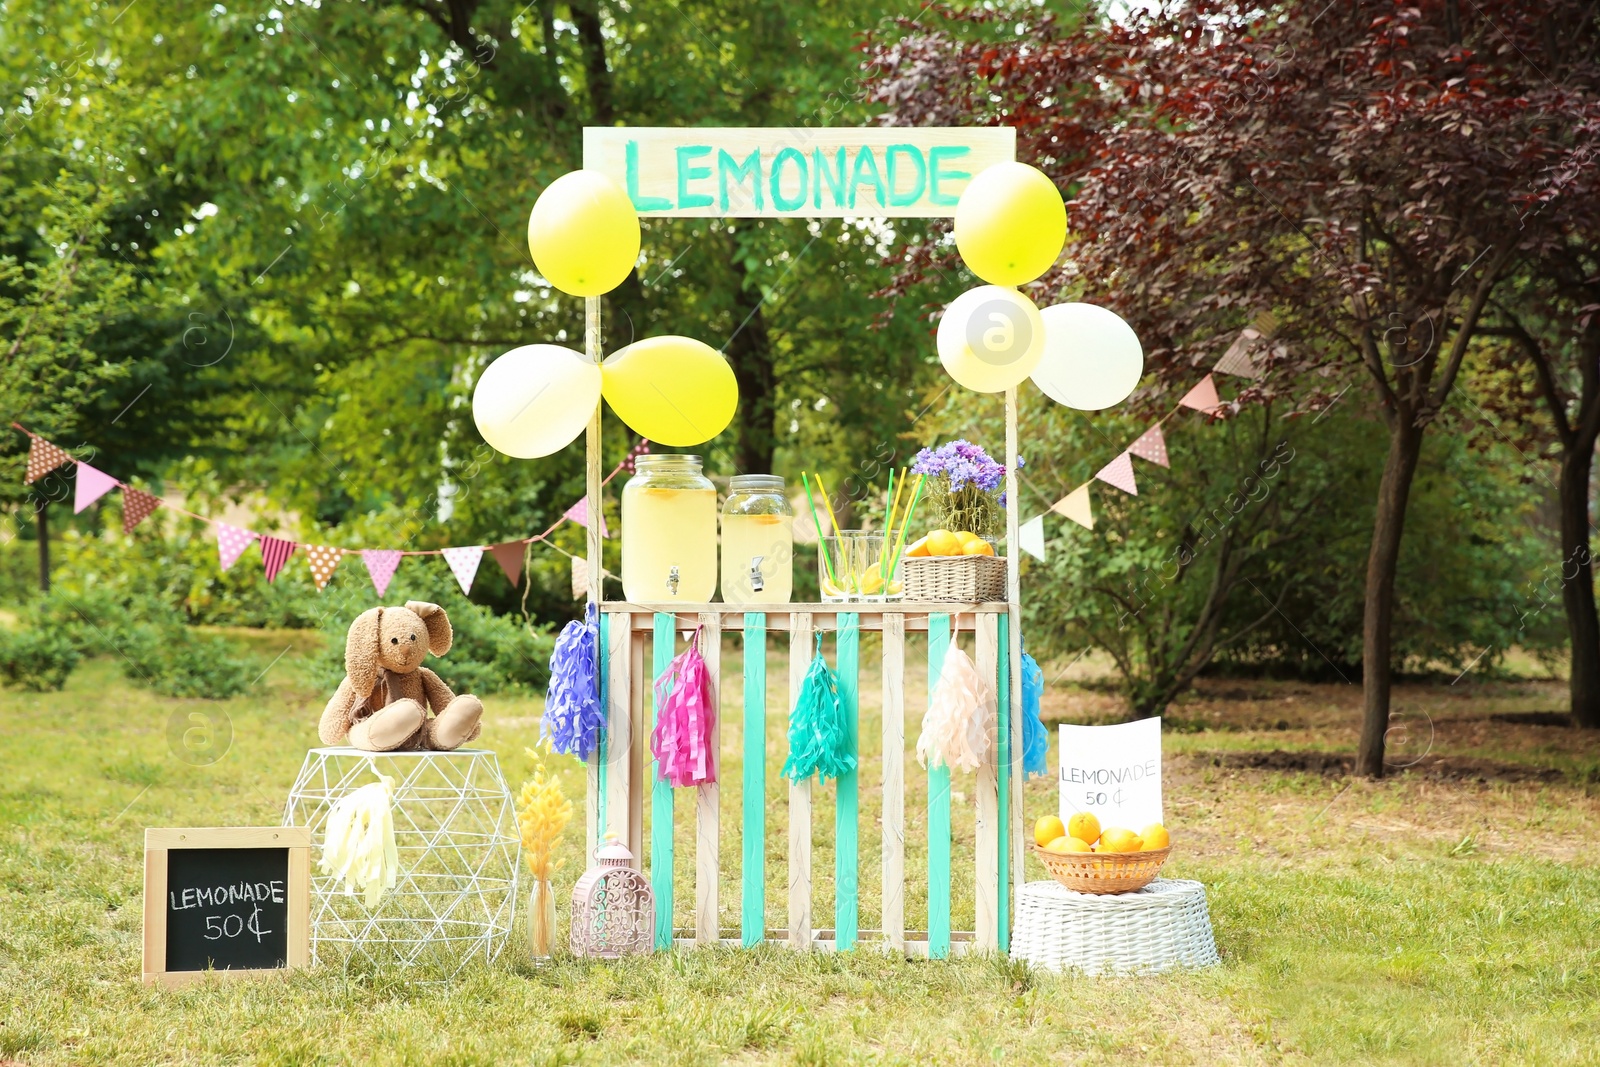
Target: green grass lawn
(1444, 917)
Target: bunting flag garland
(1202, 397)
(231, 543)
(275, 552)
(1075, 506)
(43, 457)
(381, 564)
(579, 513)
(136, 507)
(1151, 446)
(509, 556)
(92, 485)
(323, 560)
(1119, 472)
(1030, 537)
(580, 577)
(464, 565)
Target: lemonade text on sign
(795, 172)
(1113, 771)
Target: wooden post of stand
(592, 347)
(1012, 835)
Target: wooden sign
(796, 172)
(1113, 771)
(232, 900)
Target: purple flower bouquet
(963, 488)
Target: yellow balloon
(990, 338)
(534, 400)
(1010, 224)
(584, 234)
(671, 390)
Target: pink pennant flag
(1151, 446)
(1119, 472)
(1202, 397)
(275, 552)
(579, 513)
(231, 543)
(92, 485)
(381, 564)
(464, 564)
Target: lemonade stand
(1010, 227)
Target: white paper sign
(1113, 771)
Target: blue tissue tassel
(1035, 742)
(818, 738)
(573, 717)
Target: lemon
(966, 537)
(1047, 830)
(1155, 836)
(1117, 839)
(943, 543)
(1084, 826)
(871, 582)
(1065, 844)
(918, 547)
(977, 547)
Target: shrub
(37, 660)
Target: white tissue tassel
(358, 846)
(952, 730)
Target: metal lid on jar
(663, 461)
(755, 483)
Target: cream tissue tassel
(952, 730)
(358, 846)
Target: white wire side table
(455, 829)
(1161, 927)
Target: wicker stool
(456, 834)
(1157, 928)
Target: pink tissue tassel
(952, 730)
(682, 739)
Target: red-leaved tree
(1374, 174)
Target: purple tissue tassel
(573, 717)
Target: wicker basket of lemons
(1085, 858)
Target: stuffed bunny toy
(382, 704)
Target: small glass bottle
(757, 541)
(669, 531)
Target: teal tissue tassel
(818, 735)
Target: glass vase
(541, 920)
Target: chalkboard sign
(231, 900)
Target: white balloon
(990, 338)
(534, 400)
(1092, 358)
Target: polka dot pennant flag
(464, 564)
(92, 485)
(275, 552)
(1119, 472)
(136, 507)
(43, 457)
(231, 543)
(322, 561)
(1151, 446)
(381, 565)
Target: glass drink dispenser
(757, 541)
(669, 531)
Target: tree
(1363, 171)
